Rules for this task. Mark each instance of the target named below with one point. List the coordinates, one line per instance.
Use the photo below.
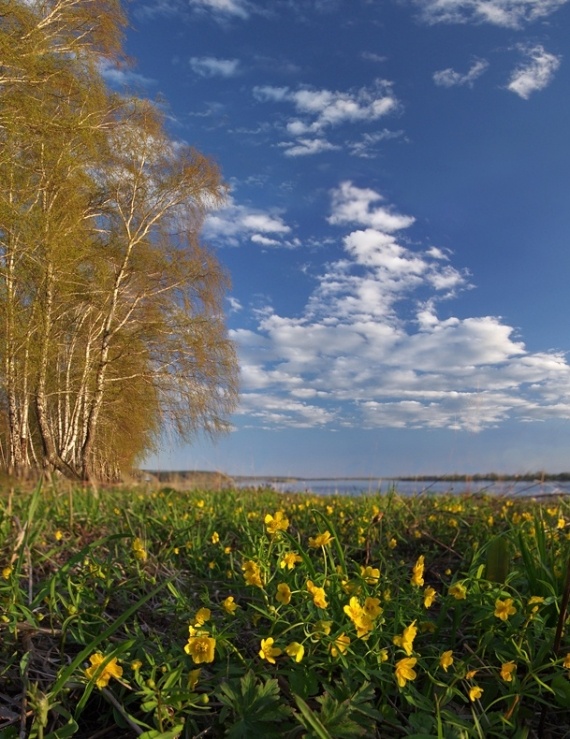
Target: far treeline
(111, 309)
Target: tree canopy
(112, 323)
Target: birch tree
(112, 321)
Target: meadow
(256, 614)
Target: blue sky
(397, 229)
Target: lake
(339, 486)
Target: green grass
(380, 616)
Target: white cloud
(451, 78)
(324, 108)
(507, 13)
(209, 66)
(238, 8)
(122, 76)
(306, 147)
(371, 350)
(234, 224)
(535, 74)
(351, 204)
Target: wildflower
(275, 524)
(504, 609)
(139, 550)
(111, 669)
(372, 607)
(58, 535)
(295, 651)
(319, 595)
(229, 605)
(392, 543)
(6, 572)
(429, 596)
(339, 645)
(475, 693)
(193, 677)
(406, 640)
(215, 537)
(202, 615)
(446, 659)
(227, 550)
(353, 609)
(566, 662)
(508, 670)
(321, 540)
(290, 560)
(458, 591)
(322, 628)
(370, 574)
(252, 574)
(283, 593)
(201, 648)
(418, 572)
(268, 651)
(534, 601)
(404, 670)
(471, 674)
(136, 665)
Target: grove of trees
(111, 309)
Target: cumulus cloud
(209, 66)
(507, 13)
(120, 76)
(534, 74)
(371, 349)
(318, 111)
(450, 78)
(234, 224)
(224, 7)
(323, 108)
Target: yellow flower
(471, 674)
(252, 574)
(283, 593)
(566, 662)
(295, 651)
(229, 605)
(290, 559)
(418, 572)
(58, 535)
(406, 640)
(504, 608)
(508, 670)
(276, 523)
(193, 677)
(202, 615)
(6, 572)
(404, 670)
(110, 670)
(268, 651)
(215, 537)
(458, 591)
(429, 596)
(353, 609)
(370, 574)
(372, 607)
(139, 550)
(339, 645)
(392, 543)
(322, 628)
(136, 665)
(321, 540)
(475, 693)
(534, 601)
(319, 595)
(446, 660)
(201, 648)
